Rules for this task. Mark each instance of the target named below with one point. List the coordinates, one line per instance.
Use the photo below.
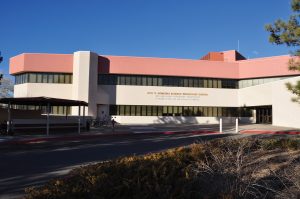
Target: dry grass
(228, 169)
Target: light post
(1, 75)
(1, 58)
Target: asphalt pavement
(34, 163)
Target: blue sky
(152, 28)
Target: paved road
(20, 168)
(35, 164)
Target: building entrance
(264, 115)
(103, 112)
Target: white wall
(172, 96)
(85, 88)
(42, 89)
(85, 75)
(285, 112)
(106, 94)
(169, 96)
(258, 95)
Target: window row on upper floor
(149, 80)
(253, 82)
(146, 80)
(56, 78)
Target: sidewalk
(126, 130)
(258, 129)
(19, 140)
(265, 132)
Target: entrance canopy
(42, 101)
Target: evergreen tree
(288, 33)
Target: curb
(91, 136)
(270, 132)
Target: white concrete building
(163, 90)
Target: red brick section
(94, 136)
(270, 132)
(213, 56)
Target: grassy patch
(223, 168)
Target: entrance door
(264, 115)
(103, 112)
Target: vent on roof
(230, 55)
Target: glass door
(264, 115)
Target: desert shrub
(291, 178)
(215, 169)
(281, 143)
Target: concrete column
(48, 118)
(79, 119)
(9, 118)
(85, 80)
(83, 119)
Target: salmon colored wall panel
(264, 67)
(35, 62)
(213, 56)
(168, 66)
(253, 68)
(205, 57)
(229, 55)
(16, 63)
(216, 56)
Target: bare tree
(6, 87)
(6, 84)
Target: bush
(271, 144)
(221, 168)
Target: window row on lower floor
(54, 110)
(140, 110)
